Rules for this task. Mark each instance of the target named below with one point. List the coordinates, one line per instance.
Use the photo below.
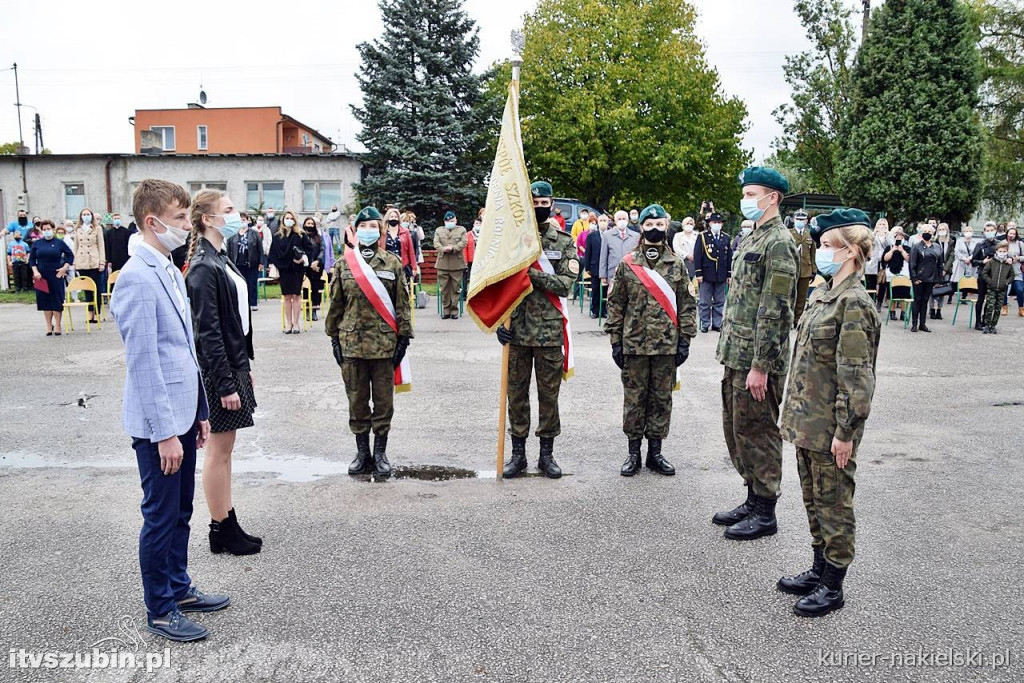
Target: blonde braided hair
(205, 202)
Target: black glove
(336, 344)
(682, 351)
(504, 335)
(617, 354)
(400, 348)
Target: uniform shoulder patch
(781, 284)
(574, 267)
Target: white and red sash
(569, 357)
(371, 286)
(661, 291)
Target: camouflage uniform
(755, 334)
(997, 276)
(829, 395)
(649, 341)
(450, 267)
(367, 342)
(537, 336)
(805, 250)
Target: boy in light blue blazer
(165, 408)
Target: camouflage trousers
(752, 431)
(802, 286)
(828, 497)
(647, 383)
(365, 378)
(448, 282)
(993, 308)
(522, 361)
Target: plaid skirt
(222, 420)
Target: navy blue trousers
(166, 511)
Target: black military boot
(546, 463)
(381, 466)
(737, 514)
(517, 465)
(760, 522)
(827, 597)
(656, 462)
(632, 464)
(804, 583)
(363, 463)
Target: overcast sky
(87, 70)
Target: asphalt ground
(589, 578)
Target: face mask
(716, 228)
(621, 224)
(968, 236)
(750, 209)
(654, 235)
(117, 222)
(270, 214)
(393, 222)
(22, 220)
(17, 239)
(232, 224)
(687, 228)
(173, 238)
(449, 224)
(943, 233)
(367, 236)
(926, 236)
(745, 231)
(1001, 255)
(800, 225)
(823, 260)
(47, 234)
(542, 213)
(990, 234)
(634, 216)
(288, 223)
(86, 219)
(405, 225)
(60, 235)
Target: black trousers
(922, 299)
(316, 286)
(22, 277)
(94, 275)
(979, 308)
(595, 295)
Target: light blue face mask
(750, 209)
(367, 236)
(823, 260)
(232, 224)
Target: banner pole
(502, 409)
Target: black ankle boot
(632, 464)
(938, 314)
(737, 514)
(517, 465)
(226, 535)
(892, 315)
(363, 463)
(381, 466)
(546, 463)
(760, 522)
(249, 537)
(315, 318)
(827, 597)
(804, 583)
(656, 462)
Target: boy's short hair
(1002, 245)
(153, 196)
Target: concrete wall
(45, 177)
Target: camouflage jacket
(759, 307)
(636, 319)
(832, 379)
(353, 319)
(536, 321)
(805, 250)
(456, 237)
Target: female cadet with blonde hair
(831, 384)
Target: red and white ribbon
(568, 354)
(662, 292)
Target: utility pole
(39, 134)
(864, 25)
(17, 97)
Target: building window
(305, 140)
(166, 135)
(264, 195)
(319, 195)
(196, 186)
(74, 199)
(201, 138)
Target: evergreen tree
(913, 143)
(418, 114)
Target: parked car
(571, 210)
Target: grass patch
(12, 297)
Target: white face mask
(621, 224)
(288, 223)
(173, 238)
(86, 219)
(687, 228)
(449, 224)
(716, 228)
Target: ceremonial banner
(509, 242)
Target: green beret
(840, 218)
(369, 213)
(449, 216)
(542, 189)
(764, 176)
(652, 211)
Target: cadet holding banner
(651, 320)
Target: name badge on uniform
(553, 255)
(385, 274)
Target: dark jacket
(895, 264)
(926, 263)
(712, 257)
(115, 241)
(948, 249)
(986, 249)
(282, 252)
(222, 347)
(592, 254)
(254, 249)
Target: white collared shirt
(168, 266)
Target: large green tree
(820, 79)
(619, 106)
(912, 142)
(419, 114)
